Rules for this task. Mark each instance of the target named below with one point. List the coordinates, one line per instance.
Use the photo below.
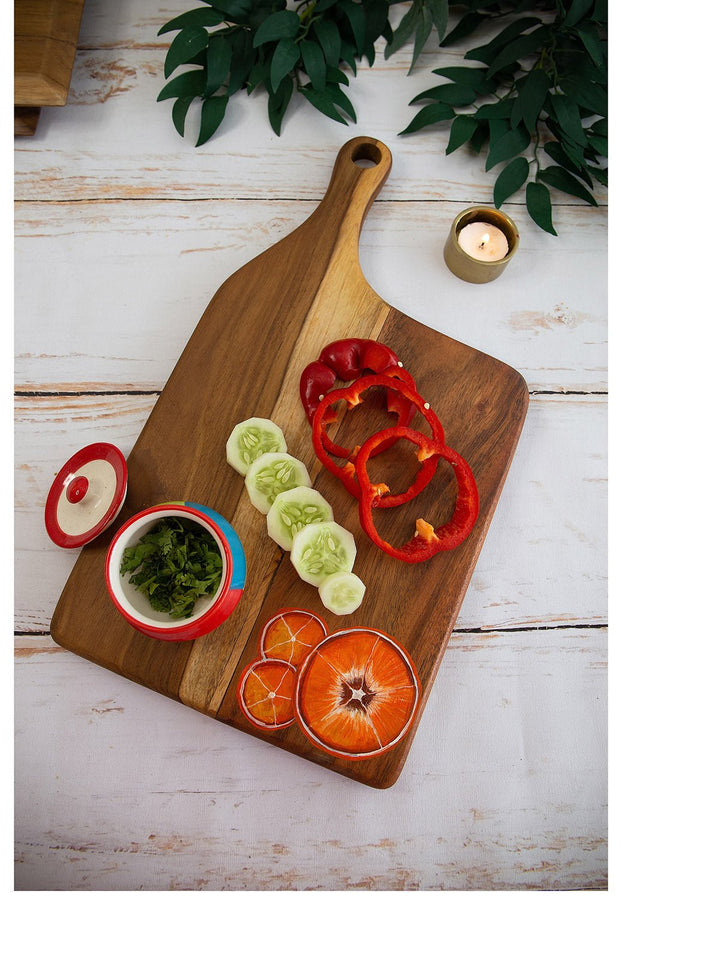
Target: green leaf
(322, 101)
(347, 55)
(481, 135)
(211, 116)
(575, 153)
(282, 25)
(562, 180)
(509, 145)
(286, 55)
(586, 94)
(376, 20)
(356, 18)
(518, 49)
(600, 174)
(186, 44)
(591, 42)
(539, 206)
(340, 98)
(510, 179)
(202, 17)
(576, 11)
(422, 33)
(219, 57)
(475, 77)
(179, 112)
(464, 27)
(278, 103)
(432, 113)
(328, 36)
(337, 76)
(403, 31)
(600, 11)
(599, 144)
(243, 60)
(455, 94)
(532, 92)
(190, 84)
(233, 8)
(488, 52)
(260, 73)
(502, 109)
(439, 13)
(555, 150)
(568, 116)
(462, 129)
(314, 63)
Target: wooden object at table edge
(263, 326)
(46, 33)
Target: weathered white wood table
(123, 233)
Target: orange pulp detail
(356, 694)
(290, 635)
(265, 693)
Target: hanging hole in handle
(366, 155)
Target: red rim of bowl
(183, 629)
(94, 451)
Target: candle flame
(485, 239)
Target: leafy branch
(542, 89)
(539, 83)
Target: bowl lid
(86, 495)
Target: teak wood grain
(46, 33)
(263, 326)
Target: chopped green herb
(173, 565)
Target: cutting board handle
(361, 168)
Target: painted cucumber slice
(294, 509)
(250, 440)
(322, 549)
(342, 593)
(272, 473)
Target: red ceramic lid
(86, 495)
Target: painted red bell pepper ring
(427, 541)
(395, 402)
(352, 395)
(346, 360)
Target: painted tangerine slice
(356, 694)
(290, 635)
(266, 693)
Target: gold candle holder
(469, 268)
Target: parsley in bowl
(175, 571)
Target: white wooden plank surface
(546, 315)
(123, 232)
(138, 792)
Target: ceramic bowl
(209, 612)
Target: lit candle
(483, 241)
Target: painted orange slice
(266, 692)
(290, 635)
(356, 694)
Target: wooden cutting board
(46, 35)
(263, 326)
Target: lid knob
(77, 489)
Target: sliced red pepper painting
(350, 360)
(353, 693)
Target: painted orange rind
(266, 693)
(291, 634)
(357, 693)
